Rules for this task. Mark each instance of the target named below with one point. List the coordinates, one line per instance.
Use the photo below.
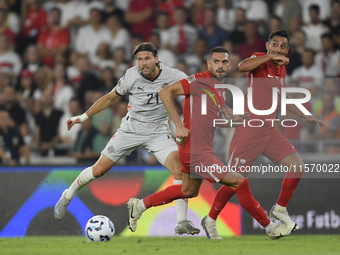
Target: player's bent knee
(189, 192)
(99, 171)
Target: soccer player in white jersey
(146, 125)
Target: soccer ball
(99, 229)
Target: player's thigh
(232, 180)
(122, 144)
(190, 186)
(293, 162)
(161, 146)
(102, 166)
(280, 150)
(173, 164)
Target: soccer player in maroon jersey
(196, 149)
(265, 72)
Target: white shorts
(123, 143)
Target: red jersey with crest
(201, 126)
(262, 80)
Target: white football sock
(182, 205)
(280, 208)
(83, 179)
(270, 227)
(210, 220)
(141, 206)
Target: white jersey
(146, 112)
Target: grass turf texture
(308, 244)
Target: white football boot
(134, 213)
(61, 207)
(283, 216)
(186, 227)
(281, 230)
(210, 229)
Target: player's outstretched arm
(167, 96)
(309, 118)
(99, 105)
(250, 64)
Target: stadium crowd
(58, 57)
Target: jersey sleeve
(255, 55)
(123, 85)
(186, 84)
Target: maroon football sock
(289, 184)
(221, 199)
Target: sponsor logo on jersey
(164, 85)
(191, 78)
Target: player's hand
(182, 134)
(70, 123)
(240, 118)
(314, 121)
(229, 113)
(280, 59)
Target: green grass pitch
(245, 245)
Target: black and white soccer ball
(99, 229)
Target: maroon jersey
(201, 126)
(262, 80)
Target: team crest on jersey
(191, 78)
(119, 83)
(164, 85)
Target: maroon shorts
(245, 149)
(207, 166)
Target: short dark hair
(145, 46)
(281, 33)
(56, 9)
(327, 35)
(335, 2)
(315, 7)
(276, 17)
(218, 49)
(310, 51)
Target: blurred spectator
(42, 78)
(256, 10)
(120, 36)
(331, 117)
(61, 90)
(169, 6)
(26, 86)
(294, 26)
(73, 72)
(12, 19)
(69, 136)
(91, 36)
(238, 36)
(73, 13)
(314, 29)
(325, 9)
(112, 10)
(286, 10)
(309, 75)
(123, 4)
(203, 67)
(88, 81)
(329, 87)
(275, 23)
(16, 112)
(334, 22)
(31, 58)
(102, 58)
(34, 20)
(15, 6)
(140, 15)
(107, 77)
(102, 121)
(213, 34)
(10, 62)
(182, 35)
(54, 40)
(296, 49)
(47, 123)
(181, 65)
(167, 57)
(197, 13)
(225, 16)
(162, 25)
(89, 143)
(253, 44)
(11, 142)
(193, 61)
(328, 59)
(120, 66)
(4, 29)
